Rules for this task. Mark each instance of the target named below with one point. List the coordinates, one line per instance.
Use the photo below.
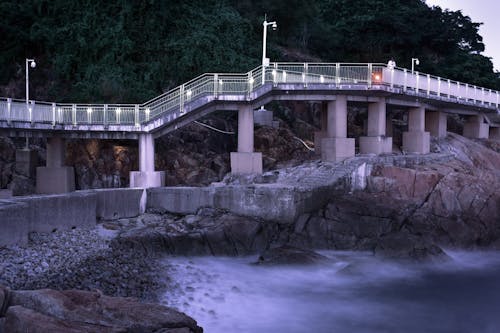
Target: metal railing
(213, 86)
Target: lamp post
(32, 63)
(265, 60)
(414, 61)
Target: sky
(485, 11)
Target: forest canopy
(132, 50)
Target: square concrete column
(55, 177)
(336, 146)
(475, 128)
(436, 123)
(245, 160)
(147, 176)
(26, 162)
(320, 135)
(416, 140)
(376, 141)
(495, 133)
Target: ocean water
(353, 292)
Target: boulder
(77, 311)
(289, 255)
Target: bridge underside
(427, 116)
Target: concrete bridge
(427, 99)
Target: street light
(32, 63)
(265, 60)
(414, 61)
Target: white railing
(212, 86)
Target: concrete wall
(21, 215)
(60, 211)
(13, 222)
(267, 201)
(118, 203)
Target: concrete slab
(375, 145)
(117, 203)
(476, 130)
(416, 142)
(14, 223)
(55, 180)
(337, 149)
(180, 200)
(246, 163)
(147, 179)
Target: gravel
(81, 259)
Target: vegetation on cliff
(130, 51)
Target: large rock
(78, 311)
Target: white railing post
(9, 108)
(370, 68)
(337, 74)
(73, 109)
(216, 85)
(250, 81)
(475, 94)
(53, 114)
(392, 77)
(136, 115)
(31, 110)
(467, 92)
(449, 88)
(304, 75)
(497, 99)
(105, 114)
(428, 84)
(118, 112)
(181, 99)
(405, 80)
(482, 96)
(439, 87)
(417, 82)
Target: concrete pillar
(263, 117)
(376, 141)
(476, 128)
(436, 124)
(245, 160)
(55, 177)
(416, 140)
(495, 133)
(147, 176)
(26, 162)
(320, 135)
(336, 146)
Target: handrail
(212, 86)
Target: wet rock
(89, 311)
(289, 255)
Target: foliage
(132, 50)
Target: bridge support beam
(475, 128)
(320, 135)
(147, 176)
(55, 177)
(376, 142)
(336, 146)
(495, 133)
(416, 140)
(245, 160)
(436, 123)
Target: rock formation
(74, 311)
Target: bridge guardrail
(225, 84)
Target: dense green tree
(132, 50)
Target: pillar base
(146, 179)
(476, 130)
(54, 180)
(495, 133)
(318, 136)
(375, 145)
(26, 162)
(436, 124)
(337, 149)
(263, 117)
(417, 142)
(246, 163)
